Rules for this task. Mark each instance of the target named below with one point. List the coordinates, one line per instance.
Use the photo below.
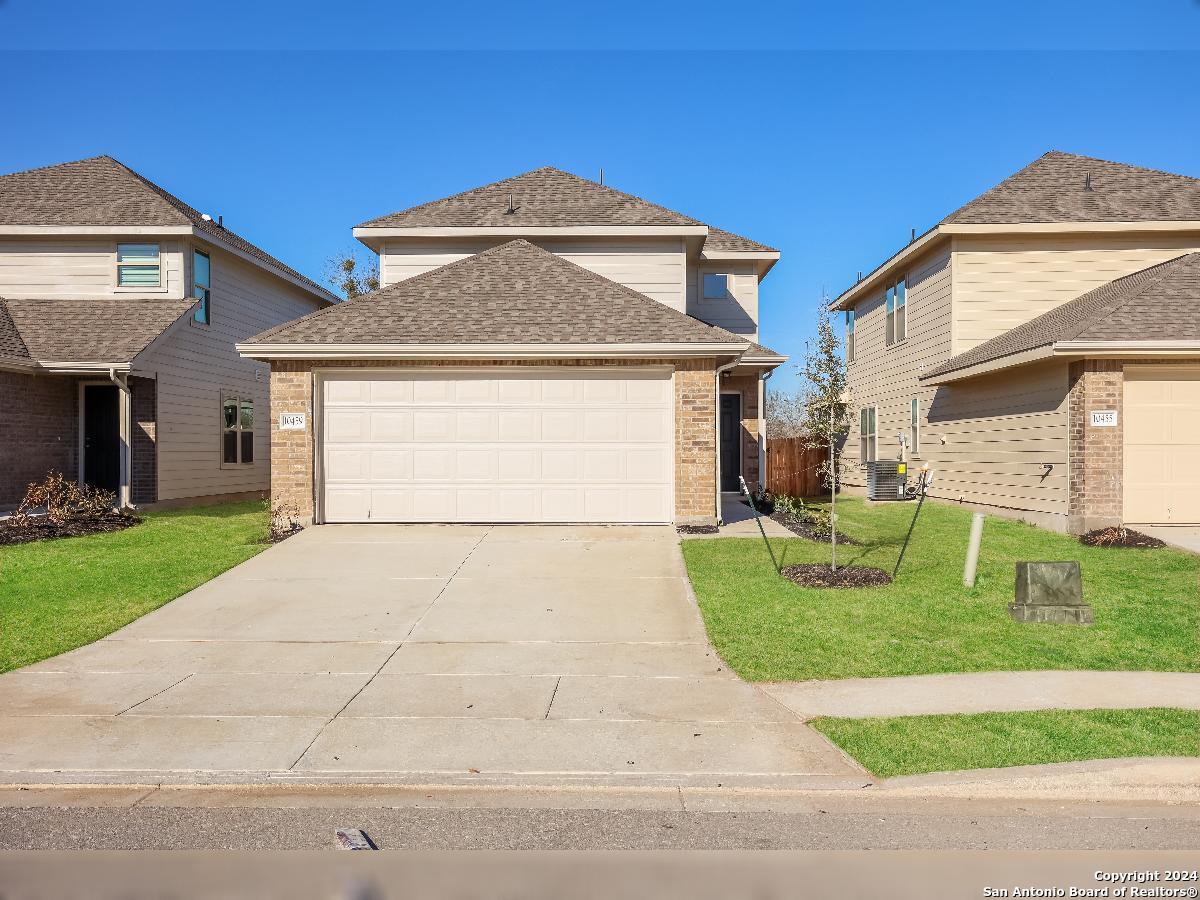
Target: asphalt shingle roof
(1154, 304)
(1053, 189)
(99, 329)
(549, 197)
(12, 348)
(515, 293)
(103, 191)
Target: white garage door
(1162, 445)
(566, 445)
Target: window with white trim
(867, 438)
(237, 430)
(201, 284)
(138, 265)
(715, 287)
(849, 335)
(914, 427)
(896, 303)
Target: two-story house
(1039, 349)
(542, 349)
(119, 309)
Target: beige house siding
(195, 365)
(293, 476)
(39, 268)
(1001, 282)
(656, 268)
(737, 312)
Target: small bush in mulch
(696, 529)
(1120, 537)
(805, 529)
(819, 575)
(71, 510)
(284, 522)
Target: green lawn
(61, 594)
(914, 744)
(1147, 603)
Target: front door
(731, 441)
(101, 437)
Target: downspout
(764, 377)
(125, 431)
(720, 370)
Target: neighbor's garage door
(571, 445)
(1162, 445)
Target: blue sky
(830, 140)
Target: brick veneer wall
(39, 430)
(747, 387)
(695, 430)
(143, 444)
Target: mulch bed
(696, 529)
(819, 575)
(39, 528)
(1120, 537)
(282, 534)
(807, 530)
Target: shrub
(65, 502)
(283, 521)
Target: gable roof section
(1160, 303)
(1054, 189)
(12, 348)
(515, 293)
(551, 198)
(111, 330)
(102, 191)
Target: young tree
(352, 274)
(826, 411)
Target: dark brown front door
(731, 441)
(101, 437)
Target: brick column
(695, 442)
(1095, 453)
(291, 451)
(143, 442)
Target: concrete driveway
(417, 653)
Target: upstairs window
(896, 301)
(849, 335)
(866, 434)
(716, 287)
(201, 283)
(237, 431)
(138, 266)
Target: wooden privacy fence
(795, 469)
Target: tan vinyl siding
(655, 268)
(196, 364)
(38, 268)
(1001, 282)
(737, 312)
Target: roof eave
(874, 279)
(72, 230)
(320, 293)
(268, 351)
(1128, 348)
(988, 366)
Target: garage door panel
(1161, 482)
(498, 447)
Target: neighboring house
(1039, 348)
(119, 309)
(543, 349)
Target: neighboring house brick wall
(1095, 453)
(143, 441)
(39, 431)
(292, 451)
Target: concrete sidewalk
(976, 692)
(415, 654)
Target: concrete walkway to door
(418, 654)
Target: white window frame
(239, 398)
(156, 288)
(850, 335)
(914, 426)
(207, 298)
(895, 310)
(868, 440)
(725, 294)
